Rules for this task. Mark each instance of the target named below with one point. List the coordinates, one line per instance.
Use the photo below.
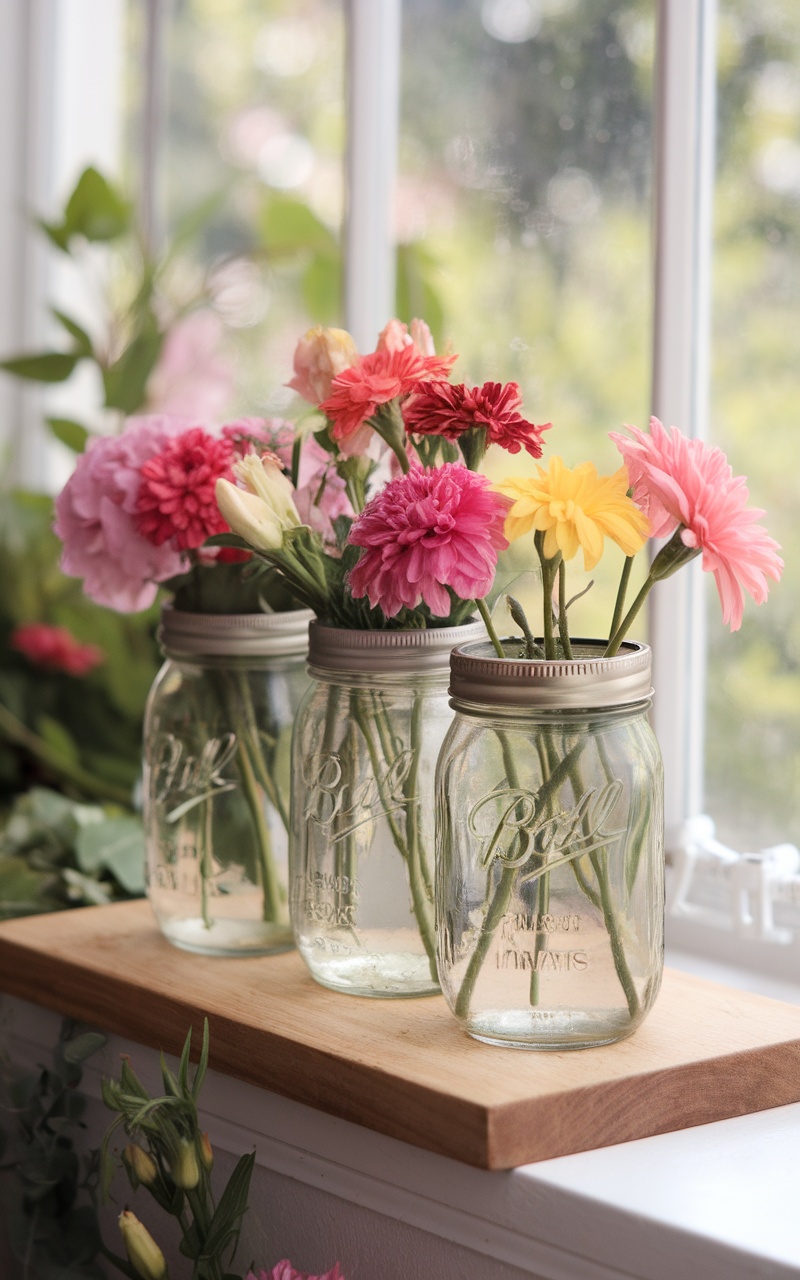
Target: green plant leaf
(96, 209)
(322, 287)
(57, 736)
(125, 380)
(83, 1046)
(288, 226)
(226, 1221)
(115, 845)
(82, 339)
(70, 433)
(48, 366)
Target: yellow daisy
(575, 508)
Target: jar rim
(235, 635)
(341, 649)
(588, 679)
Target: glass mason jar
(549, 839)
(363, 763)
(217, 741)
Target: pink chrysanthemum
(424, 532)
(374, 380)
(56, 649)
(685, 483)
(285, 1271)
(176, 500)
(439, 408)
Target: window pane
(524, 213)
(753, 725)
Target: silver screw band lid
(587, 679)
(235, 635)
(385, 652)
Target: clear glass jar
(549, 848)
(217, 741)
(363, 762)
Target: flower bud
(249, 516)
(206, 1152)
(265, 477)
(319, 356)
(184, 1167)
(143, 1253)
(142, 1168)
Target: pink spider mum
(439, 408)
(687, 484)
(56, 649)
(374, 380)
(176, 500)
(426, 531)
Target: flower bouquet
(550, 867)
(394, 584)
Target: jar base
(549, 1030)
(388, 975)
(227, 938)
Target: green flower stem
(206, 860)
(610, 921)
(487, 622)
(563, 629)
(549, 571)
(669, 560)
(18, 733)
(624, 627)
(269, 878)
(622, 591)
(388, 423)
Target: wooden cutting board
(404, 1067)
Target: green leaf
(115, 845)
(183, 1069)
(48, 366)
(96, 209)
(202, 1066)
(125, 380)
(289, 226)
(23, 891)
(233, 1202)
(322, 287)
(58, 738)
(70, 433)
(82, 339)
(83, 1046)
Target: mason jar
(217, 740)
(549, 847)
(363, 762)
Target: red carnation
(56, 648)
(440, 409)
(176, 497)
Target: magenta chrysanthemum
(177, 499)
(438, 408)
(686, 484)
(374, 380)
(426, 531)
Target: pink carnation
(285, 1271)
(191, 376)
(686, 484)
(96, 518)
(177, 496)
(444, 410)
(374, 380)
(426, 531)
(56, 648)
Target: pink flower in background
(285, 1271)
(177, 495)
(439, 408)
(274, 434)
(191, 377)
(686, 484)
(426, 531)
(56, 648)
(321, 494)
(395, 336)
(319, 356)
(96, 518)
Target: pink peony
(686, 484)
(177, 497)
(191, 376)
(96, 517)
(285, 1271)
(444, 410)
(374, 380)
(425, 531)
(56, 648)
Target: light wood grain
(404, 1067)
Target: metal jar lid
(234, 635)
(587, 679)
(337, 649)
